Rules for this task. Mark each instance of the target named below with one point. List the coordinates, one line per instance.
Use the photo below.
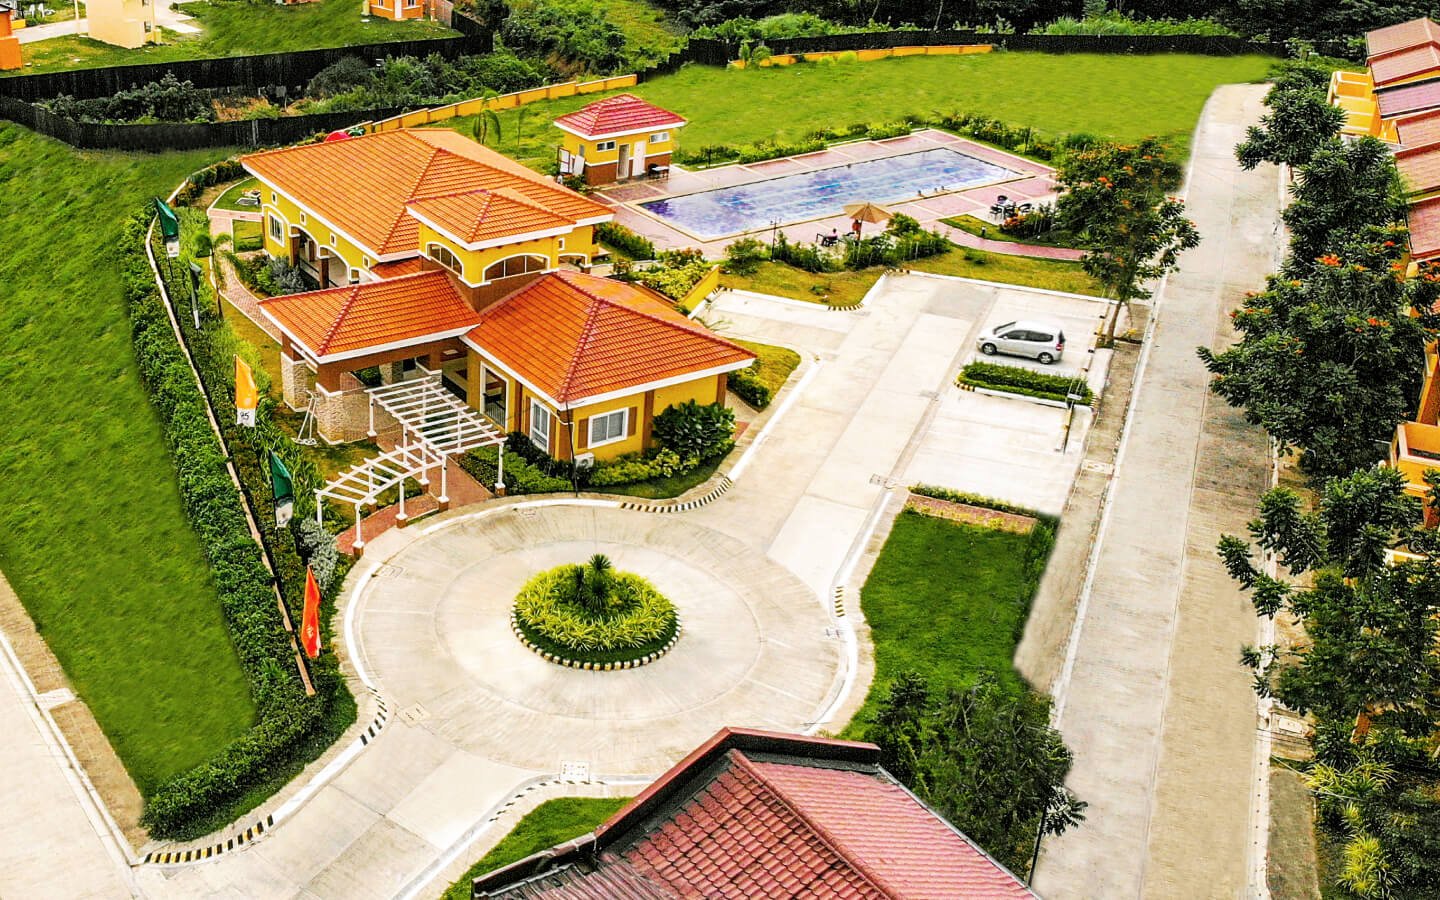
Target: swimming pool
(823, 192)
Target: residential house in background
(9, 43)
(398, 10)
(762, 814)
(124, 23)
(617, 139)
(436, 258)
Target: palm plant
(596, 577)
(487, 121)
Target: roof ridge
(582, 346)
(832, 843)
(339, 318)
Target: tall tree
(1343, 190)
(1332, 363)
(1114, 198)
(1301, 121)
(985, 758)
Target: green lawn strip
(849, 287)
(235, 29)
(550, 823)
(1117, 96)
(948, 600)
(229, 199)
(975, 225)
(248, 235)
(93, 536)
(759, 384)
(1023, 381)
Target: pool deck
(1035, 182)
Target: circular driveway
(433, 630)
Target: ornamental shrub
(747, 386)
(1019, 380)
(587, 609)
(626, 241)
(693, 429)
(743, 257)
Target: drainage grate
(884, 481)
(414, 715)
(574, 771)
(388, 571)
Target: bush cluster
(166, 100)
(1019, 380)
(410, 81)
(292, 728)
(743, 257)
(626, 241)
(1114, 22)
(674, 273)
(633, 617)
(521, 475)
(634, 467)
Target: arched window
(516, 265)
(443, 255)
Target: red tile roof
(1424, 230)
(363, 316)
(1409, 98)
(398, 267)
(576, 336)
(361, 185)
(1419, 168)
(1419, 130)
(755, 814)
(1405, 64)
(1401, 37)
(476, 216)
(621, 114)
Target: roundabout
(433, 629)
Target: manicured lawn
(773, 364)
(665, 488)
(230, 199)
(975, 226)
(849, 287)
(551, 823)
(248, 235)
(947, 600)
(1116, 96)
(92, 533)
(236, 29)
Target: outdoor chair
(827, 240)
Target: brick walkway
(463, 490)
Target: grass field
(235, 29)
(848, 288)
(92, 534)
(548, 824)
(1114, 96)
(947, 600)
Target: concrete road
(1152, 698)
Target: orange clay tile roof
(361, 185)
(576, 336)
(397, 268)
(1401, 37)
(621, 114)
(1424, 230)
(1405, 99)
(372, 314)
(761, 815)
(1419, 168)
(1405, 64)
(475, 216)
(1419, 130)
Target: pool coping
(637, 207)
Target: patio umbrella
(868, 212)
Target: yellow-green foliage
(635, 614)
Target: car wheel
(1045, 359)
(987, 349)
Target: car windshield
(999, 328)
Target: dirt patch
(970, 515)
(1293, 865)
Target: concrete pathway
(166, 16)
(1152, 698)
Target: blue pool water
(823, 192)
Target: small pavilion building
(618, 139)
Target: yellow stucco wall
(121, 22)
(272, 202)
(572, 144)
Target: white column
(371, 432)
(444, 480)
(359, 536)
(319, 508)
(401, 517)
(500, 472)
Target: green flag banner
(284, 487)
(169, 227)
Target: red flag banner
(310, 622)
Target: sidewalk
(1152, 698)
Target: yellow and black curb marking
(708, 497)
(839, 601)
(249, 835)
(196, 854)
(594, 666)
(844, 307)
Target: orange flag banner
(310, 621)
(247, 395)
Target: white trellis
(362, 484)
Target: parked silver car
(1043, 341)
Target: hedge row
(953, 496)
(633, 245)
(291, 728)
(1027, 382)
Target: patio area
(1031, 182)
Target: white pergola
(434, 425)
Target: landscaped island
(594, 617)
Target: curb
(670, 506)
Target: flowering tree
(1343, 189)
(1114, 199)
(1332, 363)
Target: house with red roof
(762, 814)
(617, 139)
(436, 257)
